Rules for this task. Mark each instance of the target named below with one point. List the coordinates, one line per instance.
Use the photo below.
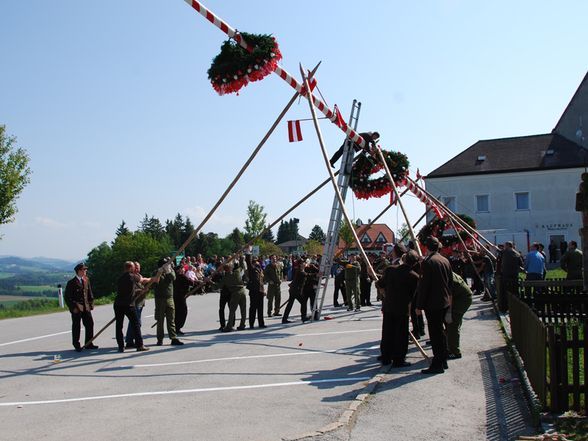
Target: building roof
(506, 155)
(577, 96)
(293, 243)
(372, 233)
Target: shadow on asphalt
(507, 413)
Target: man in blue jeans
(535, 264)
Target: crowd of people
(408, 285)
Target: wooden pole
(341, 202)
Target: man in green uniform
(352, 270)
(572, 261)
(164, 304)
(232, 282)
(274, 278)
(461, 301)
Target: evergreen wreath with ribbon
(235, 67)
(437, 229)
(365, 187)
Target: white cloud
(197, 214)
(91, 224)
(50, 223)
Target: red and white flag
(294, 131)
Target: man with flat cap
(80, 301)
(434, 297)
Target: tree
(255, 222)
(268, 236)
(152, 226)
(174, 230)
(317, 234)
(288, 231)
(403, 233)
(122, 229)
(14, 175)
(345, 234)
(237, 238)
(101, 269)
(313, 247)
(269, 248)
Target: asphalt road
(262, 384)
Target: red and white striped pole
(319, 104)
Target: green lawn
(37, 288)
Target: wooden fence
(555, 301)
(529, 334)
(548, 320)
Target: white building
(522, 188)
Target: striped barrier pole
(281, 72)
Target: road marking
(337, 332)
(248, 357)
(188, 391)
(34, 338)
(293, 335)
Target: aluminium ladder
(332, 238)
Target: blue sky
(112, 102)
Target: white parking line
(24, 340)
(187, 391)
(338, 332)
(293, 335)
(248, 357)
(34, 338)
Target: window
(380, 238)
(449, 202)
(482, 203)
(522, 200)
(365, 239)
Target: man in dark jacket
(182, 286)
(399, 283)
(370, 138)
(510, 265)
(365, 284)
(80, 301)
(295, 289)
(256, 291)
(124, 305)
(434, 297)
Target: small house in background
(372, 238)
(295, 247)
(522, 188)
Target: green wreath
(365, 187)
(235, 67)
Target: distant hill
(19, 265)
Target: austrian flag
(294, 131)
